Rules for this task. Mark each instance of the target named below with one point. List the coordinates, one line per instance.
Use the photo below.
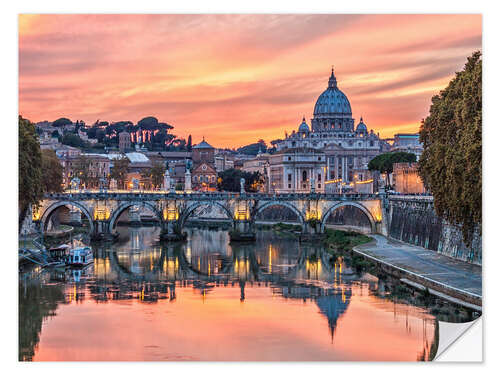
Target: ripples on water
(207, 299)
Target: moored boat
(80, 256)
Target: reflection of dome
(333, 306)
(361, 128)
(303, 127)
(332, 100)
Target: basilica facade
(331, 155)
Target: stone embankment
(445, 277)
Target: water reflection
(275, 299)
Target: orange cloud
(238, 78)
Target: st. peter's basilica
(331, 155)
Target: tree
(30, 168)
(81, 169)
(148, 123)
(73, 140)
(253, 148)
(55, 134)
(156, 173)
(384, 162)
(229, 180)
(450, 165)
(52, 172)
(60, 122)
(189, 146)
(119, 171)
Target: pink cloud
(237, 78)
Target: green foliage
(384, 162)
(148, 122)
(282, 227)
(30, 167)
(451, 163)
(73, 140)
(156, 173)
(63, 121)
(229, 180)
(119, 171)
(52, 172)
(55, 134)
(345, 240)
(81, 169)
(253, 148)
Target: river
(206, 299)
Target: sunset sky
(237, 78)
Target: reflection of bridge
(103, 209)
(313, 276)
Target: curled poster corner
(460, 342)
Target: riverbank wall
(413, 279)
(412, 219)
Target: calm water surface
(273, 300)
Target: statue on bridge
(75, 183)
(102, 184)
(135, 184)
(187, 181)
(166, 181)
(242, 186)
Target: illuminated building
(204, 173)
(406, 179)
(339, 149)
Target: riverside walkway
(418, 266)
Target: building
(124, 141)
(259, 164)
(204, 173)
(342, 150)
(406, 179)
(297, 170)
(408, 143)
(98, 166)
(223, 162)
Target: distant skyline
(237, 78)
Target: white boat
(80, 256)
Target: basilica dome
(361, 128)
(332, 100)
(303, 127)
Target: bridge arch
(361, 207)
(124, 206)
(192, 207)
(50, 209)
(282, 204)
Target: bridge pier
(134, 216)
(102, 231)
(75, 217)
(171, 231)
(243, 231)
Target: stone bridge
(103, 209)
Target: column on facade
(336, 172)
(327, 174)
(344, 162)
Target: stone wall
(28, 226)
(413, 220)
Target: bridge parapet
(85, 195)
(103, 208)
